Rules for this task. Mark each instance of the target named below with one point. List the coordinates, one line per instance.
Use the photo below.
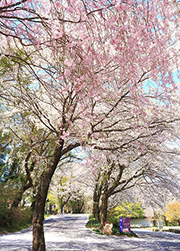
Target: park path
(68, 232)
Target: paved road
(68, 232)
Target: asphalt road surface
(68, 232)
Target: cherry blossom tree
(81, 74)
(149, 175)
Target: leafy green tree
(125, 209)
(173, 212)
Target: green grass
(95, 224)
(97, 231)
(116, 231)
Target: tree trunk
(104, 208)
(27, 182)
(96, 209)
(62, 208)
(20, 193)
(18, 198)
(63, 203)
(165, 221)
(38, 215)
(96, 202)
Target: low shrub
(131, 210)
(91, 216)
(176, 231)
(93, 222)
(15, 219)
(21, 216)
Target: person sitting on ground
(107, 229)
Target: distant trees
(62, 189)
(125, 209)
(172, 213)
(67, 189)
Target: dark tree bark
(27, 183)
(104, 207)
(96, 197)
(165, 221)
(96, 206)
(62, 210)
(18, 198)
(38, 215)
(63, 203)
